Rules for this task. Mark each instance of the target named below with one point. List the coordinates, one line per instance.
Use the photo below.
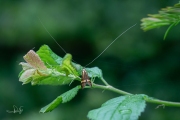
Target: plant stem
(110, 88)
(162, 102)
(104, 81)
(147, 99)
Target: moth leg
(89, 82)
(92, 79)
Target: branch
(148, 99)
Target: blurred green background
(139, 62)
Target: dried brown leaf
(34, 60)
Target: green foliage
(127, 107)
(167, 16)
(94, 72)
(48, 56)
(67, 66)
(46, 68)
(65, 97)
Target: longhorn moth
(85, 79)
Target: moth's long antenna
(110, 44)
(51, 35)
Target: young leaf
(65, 97)
(26, 76)
(48, 56)
(33, 66)
(34, 60)
(166, 16)
(172, 25)
(165, 35)
(121, 108)
(53, 61)
(67, 65)
(94, 72)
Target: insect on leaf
(85, 79)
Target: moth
(85, 78)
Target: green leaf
(44, 67)
(166, 16)
(53, 61)
(54, 78)
(65, 97)
(94, 72)
(67, 65)
(165, 35)
(172, 25)
(48, 56)
(121, 108)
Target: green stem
(162, 102)
(104, 81)
(148, 99)
(110, 88)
